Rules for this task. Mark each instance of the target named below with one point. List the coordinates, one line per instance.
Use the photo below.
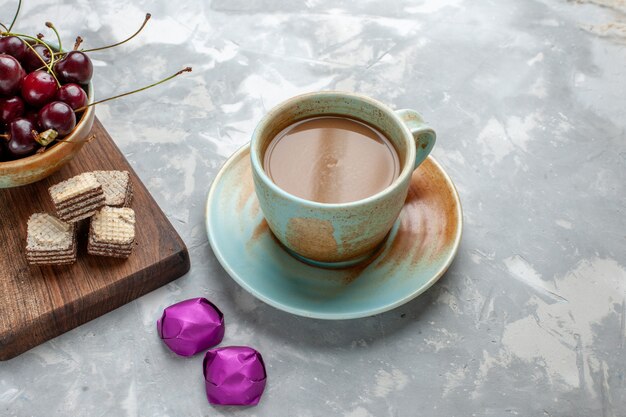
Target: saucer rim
(316, 314)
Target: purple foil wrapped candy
(191, 326)
(234, 375)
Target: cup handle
(424, 136)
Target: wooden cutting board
(39, 303)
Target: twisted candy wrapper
(191, 326)
(234, 375)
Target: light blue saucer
(418, 251)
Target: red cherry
(75, 67)
(32, 60)
(72, 94)
(21, 139)
(10, 109)
(14, 46)
(11, 74)
(39, 88)
(58, 116)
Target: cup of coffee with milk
(332, 171)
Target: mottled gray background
(528, 98)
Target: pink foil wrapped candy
(234, 375)
(191, 326)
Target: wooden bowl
(36, 167)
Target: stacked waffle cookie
(117, 187)
(112, 232)
(50, 241)
(78, 197)
(103, 196)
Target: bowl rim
(55, 149)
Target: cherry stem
(19, 6)
(51, 26)
(47, 65)
(79, 40)
(188, 69)
(5, 28)
(77, 43)
(148, 16)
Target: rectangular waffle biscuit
(112, 232)
(79, 200)
(67, 261)
(110, 247)
(50, 252)
(50, 241)
(120, 251)
(73, 187)
(117, 187)
(108, 252)
(40, 255)
(78, 197)
(96, 199)
(52, 260)
(129, 196)
(82, 211)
